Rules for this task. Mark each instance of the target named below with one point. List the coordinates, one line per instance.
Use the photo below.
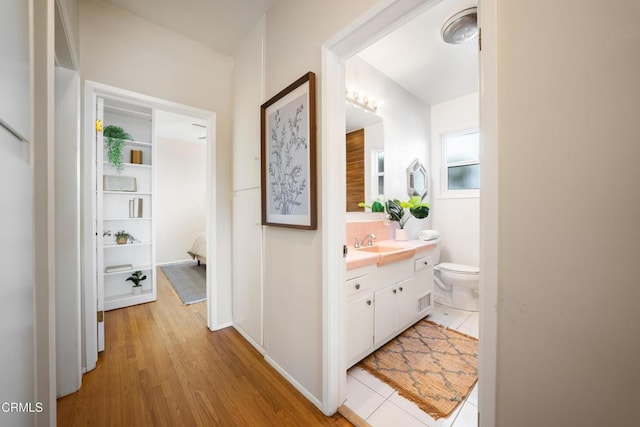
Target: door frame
(383, 18)
(89, 274)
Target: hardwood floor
(163, 367)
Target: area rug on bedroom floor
(189, 281)
(430, 365)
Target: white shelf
(132, 165)
(138, 143)
(126, 218)
(128, 193)
(132, 269)
(126, 245)
(125, 300)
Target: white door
(358, 327)
(385, 313)
(99, 224)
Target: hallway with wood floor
(163, 367)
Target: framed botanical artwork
(288, 148)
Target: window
(461, 163)
(378, 173)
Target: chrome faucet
(369, 238)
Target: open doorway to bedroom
(131, 154)
(181, 219)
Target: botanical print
(288, 154)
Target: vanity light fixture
(362, 100)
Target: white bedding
(198, 250)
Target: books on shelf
(135, 208)
(116, 268)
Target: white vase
(137, 290)
(401, 234)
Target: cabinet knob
(426, 263)
(401, 289)
(368, 302)
(357, 285)
(395, 291)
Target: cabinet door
(406, 304)
(358, 328)
(385, 313)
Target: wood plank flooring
(163, 367)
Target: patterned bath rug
(428, 364)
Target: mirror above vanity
(365, 157)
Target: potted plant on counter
(136, 279)
(401, 212)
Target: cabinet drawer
(357, 285)
(422, 263)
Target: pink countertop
(359, 258)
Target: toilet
(460, 285)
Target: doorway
(377, 22)
(95, 193)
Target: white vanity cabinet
(381, 302)
(358, 317)
(395, 309)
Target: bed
(198, 250)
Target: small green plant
(122, 237)
(401, 212)
(136, 279)
(376, 206)
(116, 137)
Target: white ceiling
(416, 58)
(219, 24)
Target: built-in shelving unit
(113, 212)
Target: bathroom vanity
(388, 288)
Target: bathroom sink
(380, 249)
(389, 253)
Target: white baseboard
(249, 339)
(221, 326)
(295, 383)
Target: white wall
(405, 120)
(181, 173)
(247, 228)
(16, 293)
(157, 62)
(457, 219)
(569, 204)
(295, 30)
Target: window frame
(445, 192)
(376, 174)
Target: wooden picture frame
(288, 149)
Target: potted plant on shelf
(136, 279)
(401, 212)
(122, 237)
(116, 137)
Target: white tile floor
(382, 406)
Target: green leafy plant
(136, 279)
(116, 137)
(122, 236)
(401, 212)
(376, 206)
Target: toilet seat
(458, 268)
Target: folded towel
(429, 235)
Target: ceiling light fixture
(361, 100)
(461, 27)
